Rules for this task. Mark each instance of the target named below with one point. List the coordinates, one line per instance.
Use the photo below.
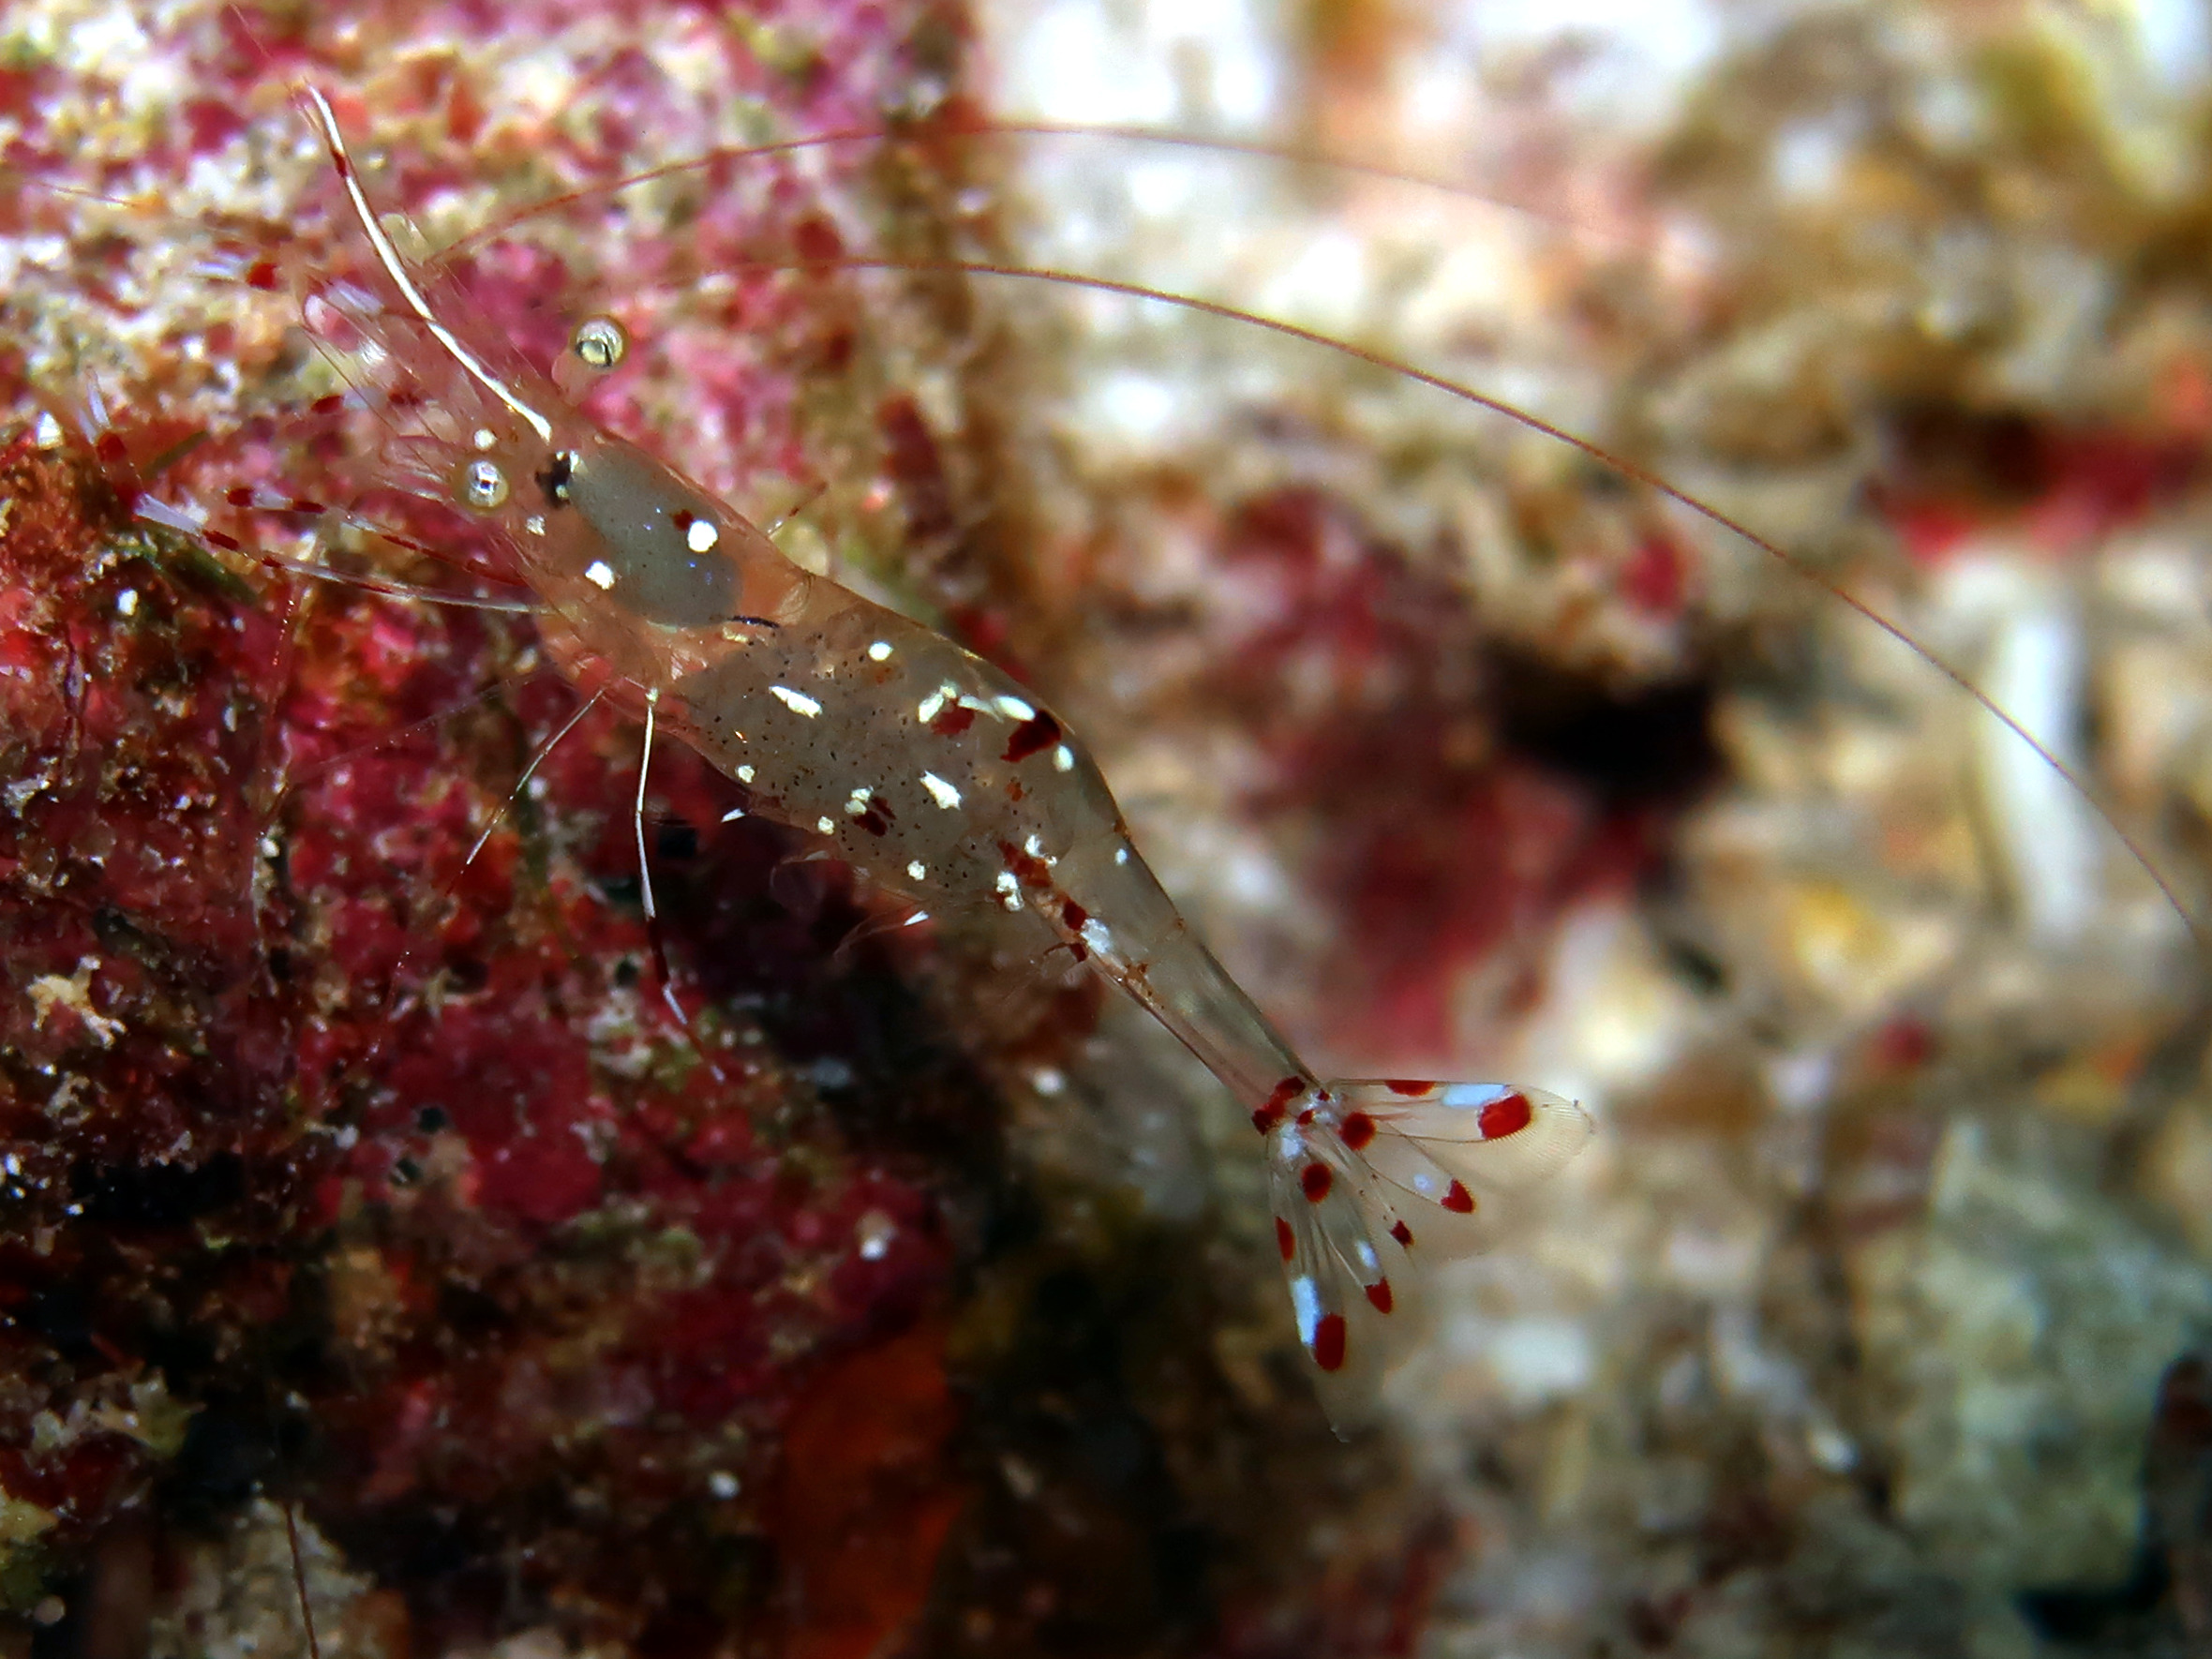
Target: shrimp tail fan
(1371, 1178)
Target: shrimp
(922, 766)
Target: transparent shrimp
(924, 766)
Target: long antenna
(1635, 471)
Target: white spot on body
(798, 702)
(483, 438)
(702, 536)
(744, 774)
(1063, 759)
(126, 603)
(1470, 1096)
(826, 826)
(1121, 854)
(1014, 709)
(1098, 936)
(879, 652)
(1305, 1305)
(1009, 891)
(733, 814)
(944, 794)
(535, 524)
(601, 575)
(917, 870)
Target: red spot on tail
(1314, 1180)
(1328, 1342)
(1403, 1233)
(1508, 1114)
(108, 448)
(327, 404)
(1356, 1131)
(1074, 915)
(1270, 1115)
(953, 720)
(1040, 731)
(1283, 1241)
(261, 274)
(1378, 1293)
(1460, 1199)
(215, 538)
(1407, 1086)
(239, 497)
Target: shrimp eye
(600, 342)
(481, 484)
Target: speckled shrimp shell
(919, 763)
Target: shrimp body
(928, 768)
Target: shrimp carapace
(924, 766)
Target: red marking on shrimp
(1040, 731)
(1356, 1131)
(329, 404)
(1407, 1086)
(1458, 1198)
(1271, 1112)
(261, 274)
(1028, 869)
(110, 449)
(955, 719)
(1508, 1114)
(1284, 1240)
(1074, 915)
(1328, 1342)
(1378, 1293)
(215, 538)
(1306, 1118)
(1314, 1181)
(1403, 1233)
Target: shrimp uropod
(928, 768)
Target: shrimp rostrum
(926, 768)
